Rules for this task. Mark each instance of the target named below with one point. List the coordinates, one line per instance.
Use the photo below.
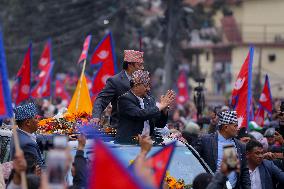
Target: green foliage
(68, 22)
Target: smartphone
(230, 155)
(60, 141)
(56, 169)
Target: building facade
(245, 23)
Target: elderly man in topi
(210, 148)
(139, 114)
(116, 86)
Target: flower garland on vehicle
(62, 124)
(174, 183)
(68, 123)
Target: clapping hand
(167, 99)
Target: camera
(56, 168)
(199, 80)
(46, 143)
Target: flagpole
(18, 151)
(80, 84)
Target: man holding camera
(210, 148)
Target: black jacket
(132, 116)
(115, 87)
(207, 147)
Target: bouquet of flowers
(70, 123)
(63, 123)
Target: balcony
(262, 33)
(244, 33)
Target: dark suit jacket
(115, 87)
(132, 116)
(269, 172)
(207, 147)
(27, 145)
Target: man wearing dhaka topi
(137, 113)
(117, 86)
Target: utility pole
(258, 79)
(173, 14)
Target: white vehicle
(185, 163)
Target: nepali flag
(86, 45)
(182, 85)
(61, 92)
(15, 91)
(43, 87)
(265, 103)
(6, 110)
(265, 99)
(159, 163)
(259, 116)
(103, 54)
(241, 94)
(24, 77)
(46, 56)
(108, 173)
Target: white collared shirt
(255, 179)
(128, 76)
(146, 129)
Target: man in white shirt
(261, 171)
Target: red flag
(103, 54)
(43, 87)
(160, 162)
(241, 94)
(6, 110)
(46, 92)
(45, 57)
(85, 49)
(15, 91)
(265, 99)
(259, 116)
(182, 85)
(61, 92)
(67, 80)
(107, 172)
(24, 76)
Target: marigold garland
(173, 183)
(65, 124)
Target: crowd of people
(126, 104)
